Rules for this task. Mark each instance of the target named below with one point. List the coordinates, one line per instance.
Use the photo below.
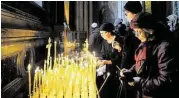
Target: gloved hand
(135, 81)
(101, 70)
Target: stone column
(90, 15)
(86, 26)
(81, 18)
(77, 16)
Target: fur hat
(133, 6)
(107, 27)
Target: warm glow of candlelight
(74, 77)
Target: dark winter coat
(111, 86)
(130, 45)
(112, 54)
(158, 71)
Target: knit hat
(94, 25)
(133, 6)
(142, 20)
(107, 27)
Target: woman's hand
(116, 45)
(104, 62)
(122, 72)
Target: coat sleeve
(131, 72)
(165, 62)
(117, 59)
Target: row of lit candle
(71, 76)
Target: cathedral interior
(36, 34)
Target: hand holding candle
(116, 45)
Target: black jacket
(130, 45)
(116, 59)
(158, 72)
(112, 54)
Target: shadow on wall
(108, 11)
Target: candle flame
(29, 67)
(74, 77)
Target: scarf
(140, 55)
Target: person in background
(120, 28)
(173, 23)
(155, 73)
(173, 20)
(131, 8)
(95, 40)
